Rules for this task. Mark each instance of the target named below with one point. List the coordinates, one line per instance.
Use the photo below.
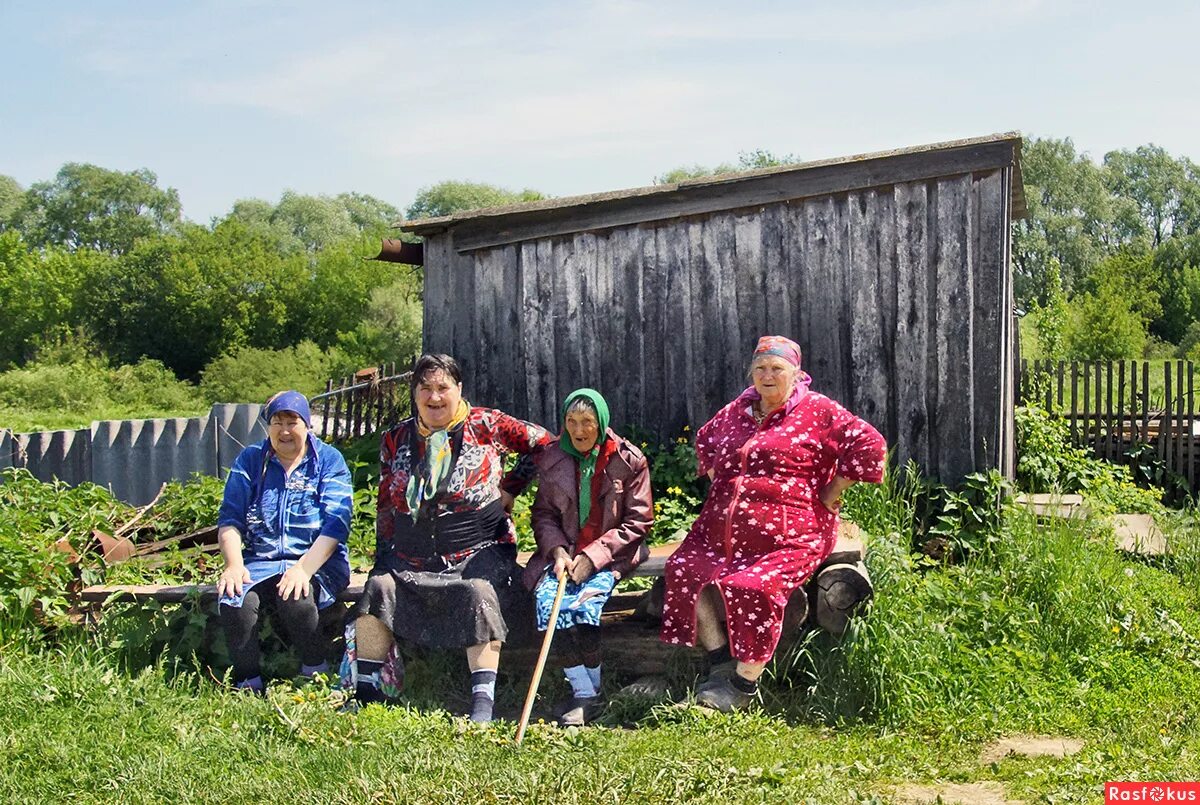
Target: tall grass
(1032, 635)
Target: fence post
(325, 411)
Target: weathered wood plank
(637, 324)
(798, 279)
(465, 336)
(777, 284)
(883, 237)
(485, 231)
(912, 323)
(568, 355)
(822, 305)
(729, 351)
(607, 314)
(654, 337)
(990, 230)
(750, 279)
(544, 334)
(701, 373)
(530, 322)
(487, 374)
(868, 370)
(436, 335)
(954, 417)
(672, 243)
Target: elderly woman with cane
(590, 519)
(445, 545)
(282, 529)
(779, 457)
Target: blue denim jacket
(280, 517)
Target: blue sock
(254, 683)
(483, 695)
(594, 673)
(581, 682)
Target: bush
(1103, 327)
(253, 375)
(1048, 462)
(81, 389)
(390, 330)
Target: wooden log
(839, 590)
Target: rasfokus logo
(1151, 792)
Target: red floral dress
(477, 478)
(763, 530)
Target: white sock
(594, 673)
(581, 682)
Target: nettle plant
(1047, 461)
(678, 492)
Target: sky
(228, 100)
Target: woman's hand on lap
(295, 583)
(232, 580)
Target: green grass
(1049, 631)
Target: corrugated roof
(478, 217)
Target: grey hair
(581, 405)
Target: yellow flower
(686, 428)
(644, 444)
(1116, 630)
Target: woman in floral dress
(779, 457)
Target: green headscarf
(587, 463)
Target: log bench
(630, 618)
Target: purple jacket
(624, 499)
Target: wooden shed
(891, 270)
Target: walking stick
(541, 661)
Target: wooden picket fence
(1114, 406)
(371, 401)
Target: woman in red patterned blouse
(445, 546)
(779, 457)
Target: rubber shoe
(722, 696)
(579, 712)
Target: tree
(368, 213)
(1103, 327)
(1130, 273)
(89, 207)
(1165, 191)
(40, 290)
(1177, 262)
(10, 199)
(446, 198)
(747, 160)
(1050, 320)
(315, 221)
(1070, 218)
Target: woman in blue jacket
(284, 522)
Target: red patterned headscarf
(782, 347)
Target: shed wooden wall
(898, 295)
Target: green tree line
(99, 273)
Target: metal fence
(134, 458)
